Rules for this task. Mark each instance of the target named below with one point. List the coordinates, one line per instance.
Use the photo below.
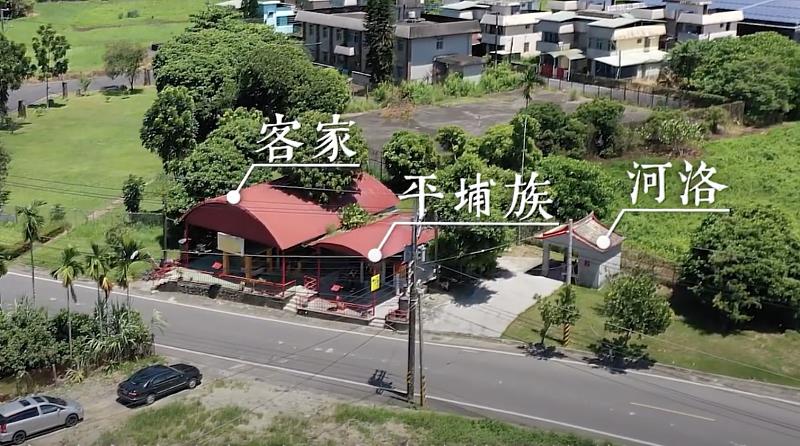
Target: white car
(23, 417)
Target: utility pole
(522, 168)
(569, 253)
(412, 316)
(419, 322)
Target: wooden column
(185, 246)
(226, 263)
(283, 267)
(248, 267)
(269, 259)
(319, 268)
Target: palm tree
(129, 252)
(67, 273)
(32, 222)
(529, 81)
(98, 269)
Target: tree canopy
(409, 153)
(733, 68)
(632, 306)
(124, 59)
(15, 67)
(380, 39)
(169, 128)
(745, 265)
(577, 187)
(603, 116)
(5, 159)
(212, 169)
(555, 132)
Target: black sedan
(155, 381)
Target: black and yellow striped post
(567, 328)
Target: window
(338, 34)
(528, 26)
(647, 44)
(612, 45)
(58, 401)
(325, 57)
(501, 30)
(24, 415)
(325, 31)
(310, 30)
(550, 37)
(48, 408)
(439, 43)
(638, 40)
(526, 47)
(38, 399)
(357, 37)
(400, 45)
(727, 27)
(598, 44)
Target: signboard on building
(230, 244)
(375, 282)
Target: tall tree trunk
(33, 277)
(69, 327)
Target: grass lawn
(769, 357)
(345, 425)
(82, 235)
(90, 25)
(77, 155)
(760, 169)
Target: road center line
(673, 411)
(430, 397)
(395, 339)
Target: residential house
(511, 34)
(337, 39)
(468, 10)
(780, 16)
(563, 43)
(699, 20)
(625, 48)
(279, 15)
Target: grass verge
(89, 25)
(77, 155)
(346, 425)
(689, 342)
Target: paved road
(33, 93)
(633, 408)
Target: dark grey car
(24, 417)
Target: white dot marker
(603, 242)
(375, 255)
(233, 197)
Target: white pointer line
(457, 223)
(673, 411)
(312, 375)
(654, 210)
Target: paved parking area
(475, 116)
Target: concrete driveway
(475, 116)
(488, 309)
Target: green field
(760, 169)
(89, 25)
(77, 155)
(769, 357)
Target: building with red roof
(277, 235)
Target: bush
(671, 130)
(455, 85)
(452, 138)
(500, 78)
(386, 93)
(712, 118)
(603, 116)
(57, 213)
(354, 216)
(132, 192)
(132, 14)
(420, 93)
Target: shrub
(500, 78)
(419, 93)
(409, 153)
(671, 130)
(386, 93)
(712, 118)
(354, 216)
(57, 213)
(452, 138)
(132, 192)
(132, 14)
(603, 116)
(455, 85)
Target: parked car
(154, 381)
(27, 416)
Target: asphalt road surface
(33, 93)
(632, 408)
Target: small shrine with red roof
(592, 265)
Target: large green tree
(321, 89)
(502, 146)
(603, 116)
(124, 59)
(577, 187)
(555, 132)
(452, 138)
(409, 153)
(380, 39)
(212, 169)
(242, 127)
(470, 250)
(15, 66)
(50, 49)
(632, 307)
(733, 68)
(250, 8)
(267, 80)
(324, 184)
(169, 128)
(745, 265)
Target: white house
(625, 48)
(698, 20)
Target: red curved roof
(280, 217)
(359, 241)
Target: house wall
(423, 51)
